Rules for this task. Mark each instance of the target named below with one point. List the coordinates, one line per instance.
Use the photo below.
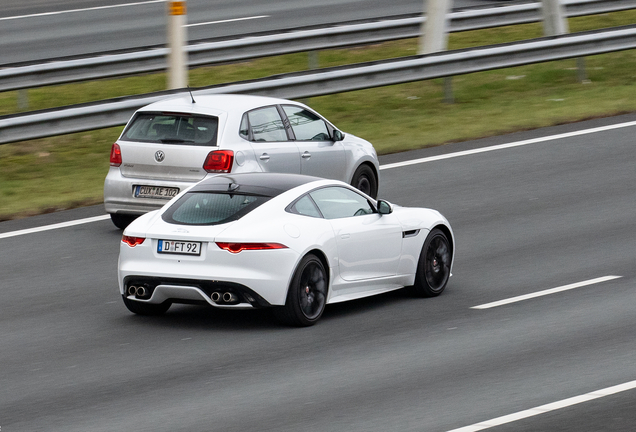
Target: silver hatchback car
(170, 145)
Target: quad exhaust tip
(226, 297)
(138, 291)
(217, 297)
(229, 297)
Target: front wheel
(365, 180)
(307, 294)
(433, 269)
(146, 308)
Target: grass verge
(68, 171)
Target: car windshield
(211, 208)
(171, 128)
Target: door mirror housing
(337, 135)
(384, 207)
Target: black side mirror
(384, 207)
(337, 135)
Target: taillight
(132, 241)
(219, 161)
(115, 155)
(238, 247)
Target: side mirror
(337, 135)
(384, 207)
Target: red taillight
(238, 247)
(132, 241)
(219, 161)
(115, 155)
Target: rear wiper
(175, 140)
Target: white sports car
(292, 242)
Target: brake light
(219, 161)
(115, 155)
(132, 241)
(238, 247)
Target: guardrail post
(555, 23)
(434, 35)
(314, 62)
(23, 99)
(177, 57)
(580, 71)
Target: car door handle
(345, 236)
(264, 157)
(306, 155)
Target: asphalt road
(527, 218)
(35, 30)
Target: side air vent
(410, 233)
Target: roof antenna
(190, 91)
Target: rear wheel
(365, 180)
(433, 269)
(146, 308)
(307, 294)
(121, 221)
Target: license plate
(155, 192)
(179, 247)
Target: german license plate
(155, 192)
(179, 247)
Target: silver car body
(178, 166)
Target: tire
(121, 221)
(433, 268)
(140, 308)
(307, 294)
(365, 180)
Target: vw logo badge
(160, 156)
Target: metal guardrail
(154, 60)
(330, 80)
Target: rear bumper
(118, 193)
(158, 290)
(262, 275)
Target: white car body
(164, 166)
(363, 255)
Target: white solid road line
(227, 20)
(54, 226)
(546, 292)
(547, 408)
(81, 10)
(507, 145)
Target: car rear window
(211, 208)
(170, 128)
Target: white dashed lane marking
(547, 408)
(545, 292)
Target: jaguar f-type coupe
(288, 242)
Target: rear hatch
(163, 161)
(167, 146)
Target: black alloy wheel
(307, 294)
(364, 180)
(433, 269)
